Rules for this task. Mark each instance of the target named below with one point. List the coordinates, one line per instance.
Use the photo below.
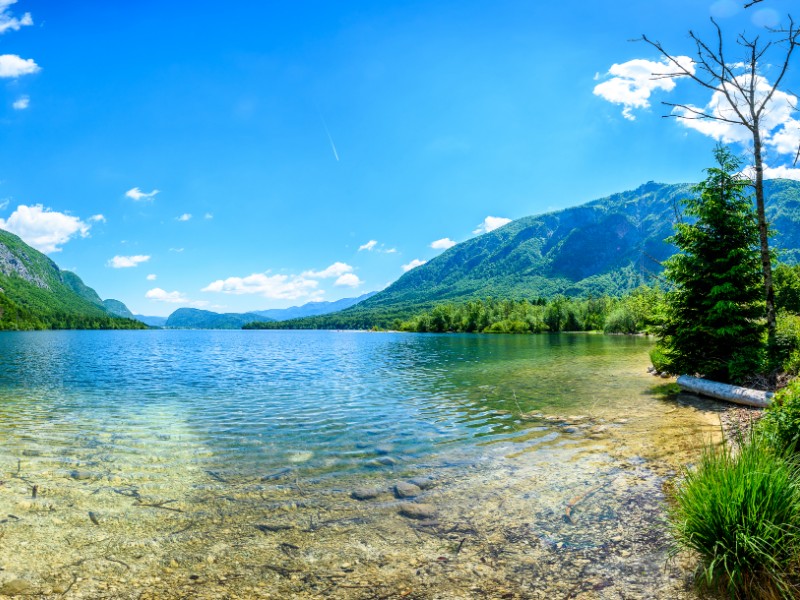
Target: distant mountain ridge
(193, 318)
(36, 294)
(606, 246)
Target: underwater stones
(82, 475)
(412, 510)
(403, 489)
(423, 483)
(364, 493)
(16, 587)
(300, 456)
(384, 449)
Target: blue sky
(251, 155)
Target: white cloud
(282, 287)
(780, 172)
(413, 265)
(208, 216)
(137, 195)
(21, 103)
(184, 217)
(151, 277)
(9, 23)
(632, 82)
(443, 244)
(391, 251)
(44, 229)
(4, 203)
(124, 262)
(369, 246)
(491, 223)
(178, 250)
(13, 66)
(337, 269)
(173, 298)
(348, 280)
(97, 219)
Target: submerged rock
(423, 483)
(16, 587)
(404, 489)
(412, 510)
(364, 493)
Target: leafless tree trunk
(747, 107)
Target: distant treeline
(635, 312)
(14, 317)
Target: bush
(659, 360)
(786, 349)
(621, 320)
(741, 514)
(781, 421)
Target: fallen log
(724, 391)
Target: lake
(311, 464)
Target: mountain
(607, 246)
(193, 318)
(312, 309)
(115, 307)
(151, 321)
(36, 294)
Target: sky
(264, 154)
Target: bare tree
(752, 2)
(748, 96)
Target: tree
(745, 99)
(714, 315)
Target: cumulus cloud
(413, 265)
(138, 195)
(348, 280)
(281, 287)
(780, 172)
(184, 217)
(21, 103)
(208, 216)
(44, 229)
(337, 269)
(631, 83)
(443, 244)
(13, 66)
(97, 219)
(490, 224)
(151, 277)
(369, 246)
(173, 298)
(124, 262)
(10, 23)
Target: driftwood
(723, 391)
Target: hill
(193, 318)
(36, 294)
(312, 309)
(607, 246)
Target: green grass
(741, 513)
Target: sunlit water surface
(265, 464)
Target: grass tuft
(741, 514)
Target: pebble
(387, 460)
(404, 489)
(82, 475)
(418, 511)
(365, 493)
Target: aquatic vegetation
(741, 513)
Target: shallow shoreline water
(509, 497)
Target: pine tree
(715, 314)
